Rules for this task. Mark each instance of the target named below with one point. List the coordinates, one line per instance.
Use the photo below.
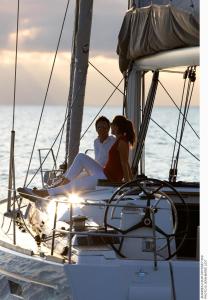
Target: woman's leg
(75, 183)
(83, 162)
(79, 184)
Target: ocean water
(158, 148)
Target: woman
(117, 168)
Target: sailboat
(139, 240)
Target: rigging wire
(186, 109)
(62, 132)
(11, 179)
(15, 72)
(123, 93)
(178, 108)
(177, 128)
(171, 98)
(106, 78)
(46, 94)
(66, 117)
(47, 154)
(61, 129)
(116, 88)
(61, 137)
(58, 149)
(174, 139)
(185, 118)
(142, 132)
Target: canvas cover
(153, 29)
(191, 6)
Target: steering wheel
(152, 191)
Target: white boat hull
(35, 277)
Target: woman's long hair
(125, 127)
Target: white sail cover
(155, 28)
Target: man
(102, 145)
(103, 142)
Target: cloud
(40, 24)
(33, 72)
(44, 19)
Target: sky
(39, 27)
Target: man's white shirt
(102, 149)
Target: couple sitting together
(111, 161)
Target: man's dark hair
(102, 119)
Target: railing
(72, 232)
(47, 176)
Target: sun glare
(63, 205)
(75, 199)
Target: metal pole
(70, 233)
(54, 228)
(14, 202)
(133, 108)
(142, 160)
(14, 219)
(54, 158)
(11, 165)
(41, 169)
(154, 237)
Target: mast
(72, 68)
(79, 68)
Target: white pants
(87, 182)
